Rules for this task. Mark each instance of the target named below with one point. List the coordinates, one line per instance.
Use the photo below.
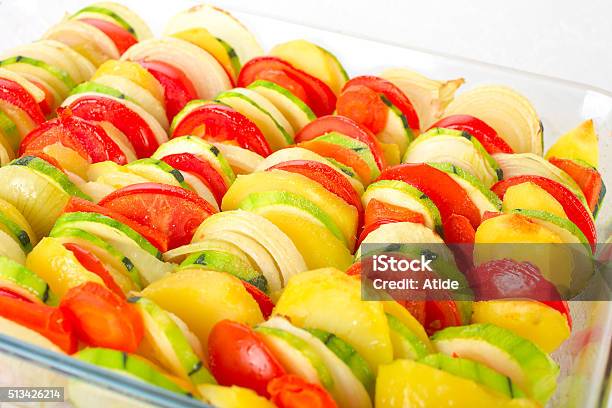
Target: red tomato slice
(220, 123)
(76, 204)
(347, 127)
(459, 231)
(13, 295)
(178, 89)
(329, 178)
(368, 228)
(485, 134)
(99, 108)
(588, 178)
(340, 154)
(573, 207)
(88, 139)
(91, 262)
(173, 211)
(47, 103)
(446, 194)
(103, 318)
(378, 210)
(48, 321)
(391, 92)
(291, 391)
(440, 314)
(265, 303)
(282, 79)
(237, 356)
(122, 38)
(562, 307)
(202, 169)
(16, 95)
(320, 97)
(364, 106)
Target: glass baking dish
(584, 358)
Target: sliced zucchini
(293, 108)
(24, 282)
(397, 130)
(158, 172)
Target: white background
(564, 39)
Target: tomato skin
(178, 89)
(238, 356)
(320, 98)
(103, 318)
(291, 391)
(173, 211)
(346, 126)
(364, 106)
(485, 134)
(10, 294)
(16, 95)
(391, 92)
(573, 207)
(588, 178)
(440, 314)
(48, 321)
(76, 204)
(325, 175)
(202, 169)
(562, 307)
(460, 234)
(340, 154)
(121, 37)
(263, 301)
(446, 194)
(88, 139)
(220, 123)
(91, 262)
(99, 108)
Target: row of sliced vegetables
(188, 211)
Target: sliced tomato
(220, 123)
(346, 126)
(485, 134)
(319, 96)
(178, 89)
(573, 207)
(291, 391)
(121, 37)
(158, 240)
(325, 175)
(459, 233)
(265, 303)
(282, 79)
(100, 108)
(238, 356)
(86, 138)
(378, 210)
(48, 321)
(202, 169)
(391, 92)
(588, 178)
(91, 262)
(562, 307)
(364, 106)
(372, 226)
(103, 318)
(446, 194)
(173, 211)
(46, 105)
(16, 95)
(13, 295)
(341, 155)
(440, 314)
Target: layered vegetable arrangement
(188, 211)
